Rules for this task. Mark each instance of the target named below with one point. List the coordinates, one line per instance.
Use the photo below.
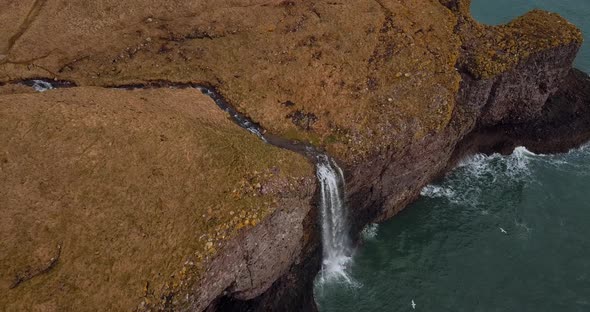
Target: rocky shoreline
(423, 97)
(563, 123)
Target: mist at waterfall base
(447, 251)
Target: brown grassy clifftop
(491, 50)
(112, 197)
(356, 77)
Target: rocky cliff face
(512, 92)
(397, 91)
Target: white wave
(474, 175)
(437, 191)
(515, 165)
(370, 232)
(474, 161)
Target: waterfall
(336, 244)
(335, 231)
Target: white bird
(503, 231)
(413, 304)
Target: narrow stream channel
(336, 243)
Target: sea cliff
(149, 200)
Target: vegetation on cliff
(352, 76)
(118, 197)
(355, 77)
(492, 50)
(111, 197)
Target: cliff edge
(154, 200)
(121, 200)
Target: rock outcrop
(397, 91)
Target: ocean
(499, 233)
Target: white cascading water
(336, 243)
(42, 86)
(335, 232)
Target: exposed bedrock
(563, 123)
(397, 91)
(494, 112)
(386, 184)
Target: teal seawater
(494, 12)
(500, 233)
